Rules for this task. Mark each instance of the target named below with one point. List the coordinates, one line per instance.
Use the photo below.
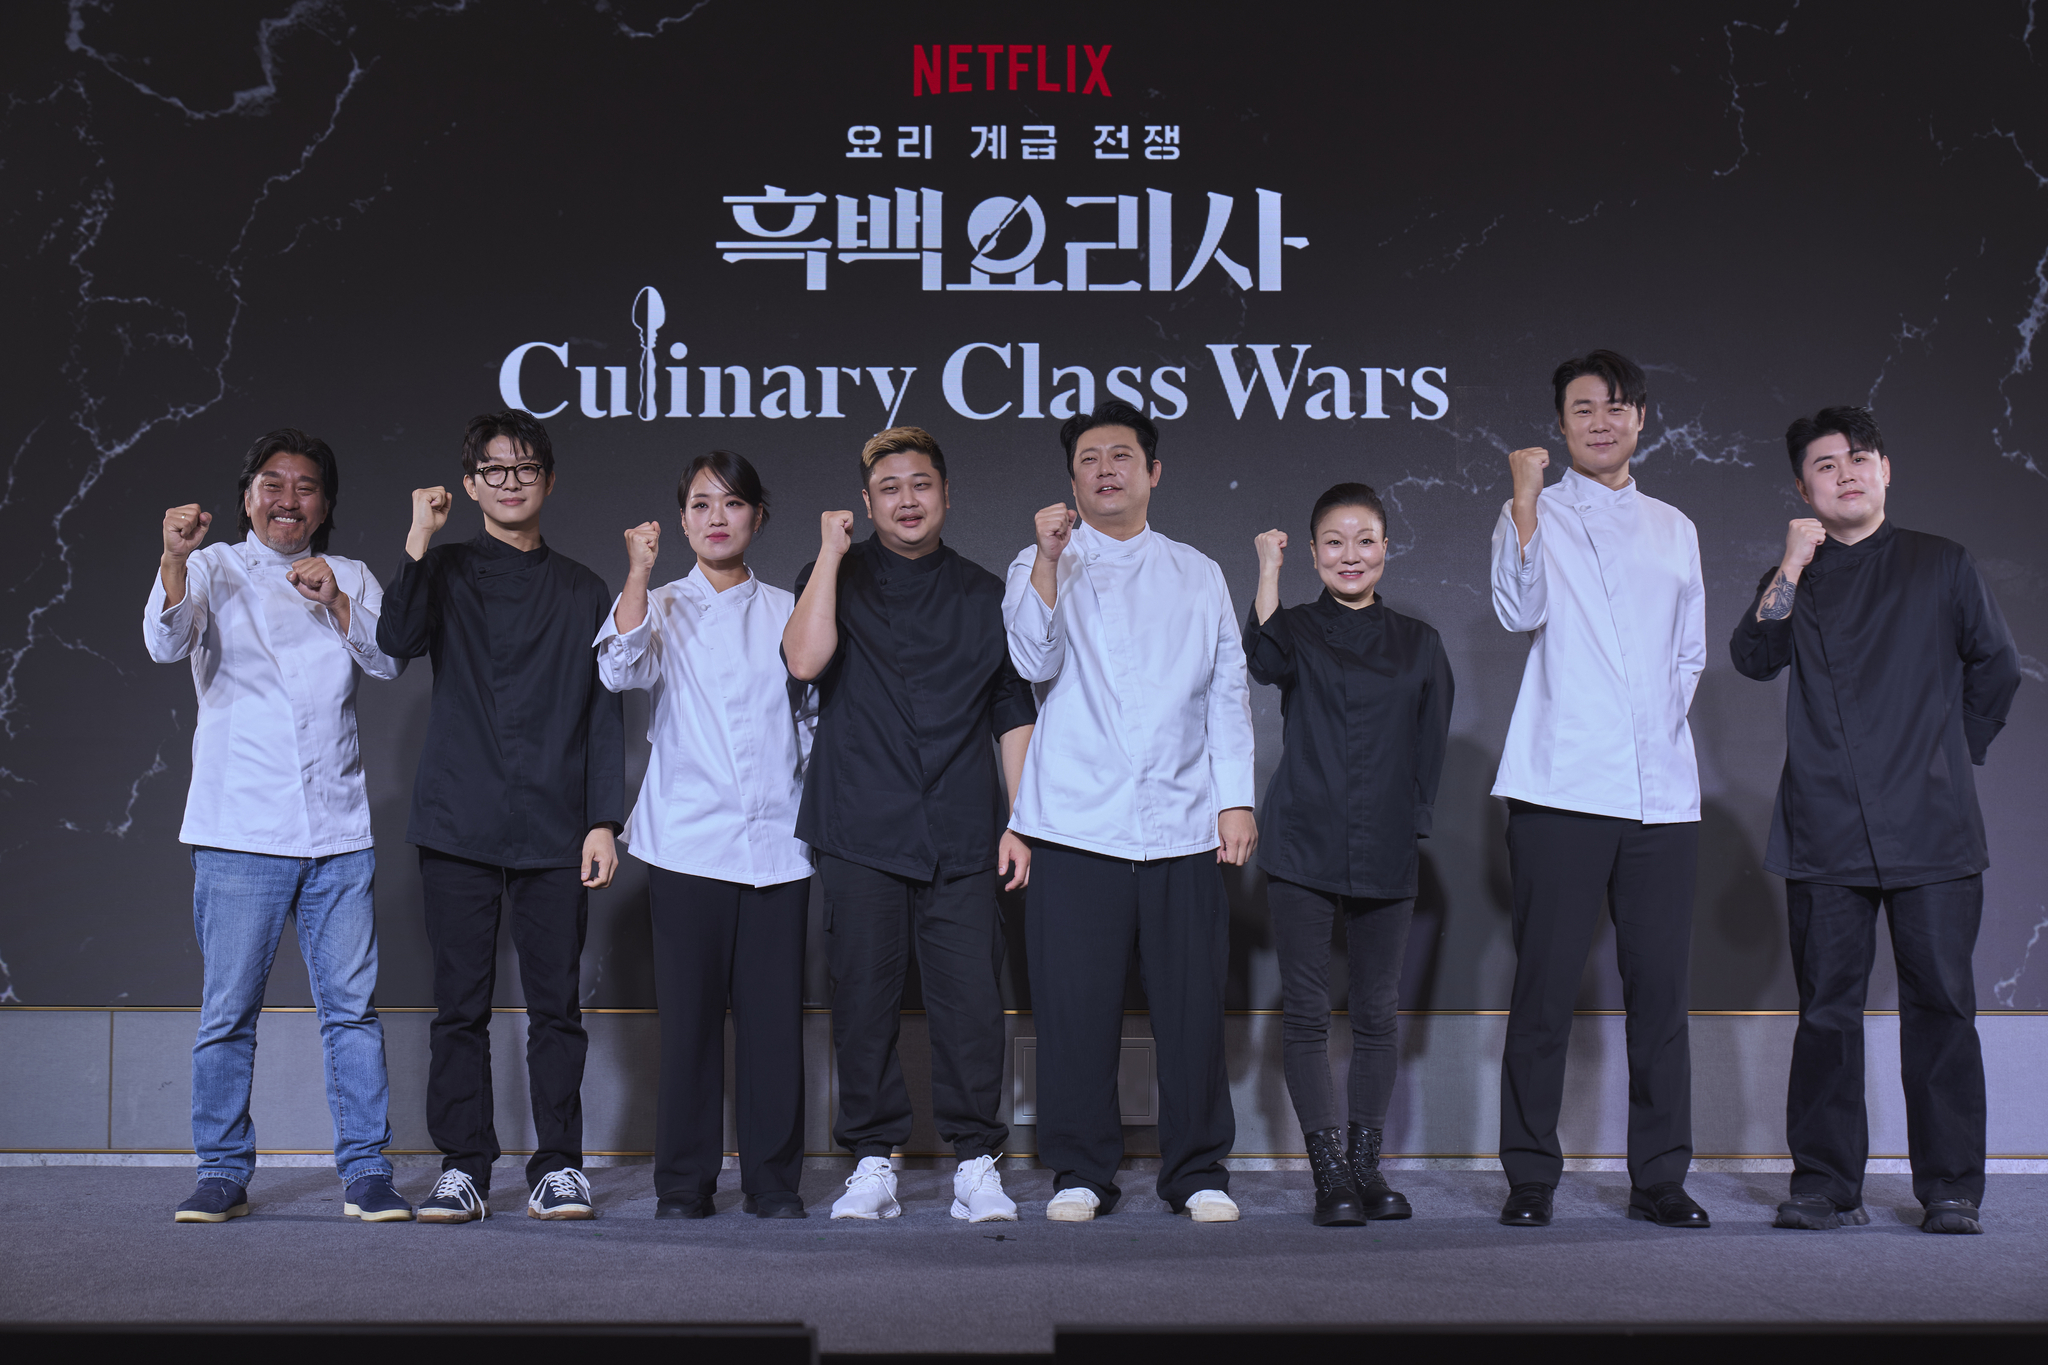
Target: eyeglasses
(494, 474)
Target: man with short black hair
(521, 788)
(1603, 793)
(1902, 673)
(1138, 787)
(916, 696)
(278, 630)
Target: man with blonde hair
(904, 640)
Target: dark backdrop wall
(346, 216)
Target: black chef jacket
(526, 750)
(902, 777)
(1365, 701)
(1902, 672)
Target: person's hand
(643, 544)
(1802, 539)
(314, 578)
(184, 528)
(430, 509)
(835, 534)
(1240, 835)
(600, 858)
(1052, 526)
(1527, 466)
(1271, 545)
(1013, 856)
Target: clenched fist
(314, 578)
(1052, 527)
(1271, 546)
(835, 534)
(1527, 466)
(643, 544)
(430, 509)
(1802, 538)
(184, 528)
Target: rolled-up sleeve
(1230, 710)
(1521, 598)
(1761, 649)
(1268, 649)
(366, 609)
(1032, 628)
(629, 659)
(172, 633)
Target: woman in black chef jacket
(1365, 694)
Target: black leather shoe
(684, 1208)
(1528, 1206)
(1818, 1213)
(1378, 1199)
(1951, 1215)
(775, 1204)
(1336, 1192)
(1668, 1206)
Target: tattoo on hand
(1777, 603)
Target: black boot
(1337, 1204)
(1375, 1197)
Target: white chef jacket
(1610, 585)
(1144, 710)
(275, 763)
(727, 767)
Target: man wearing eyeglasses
(521, 788)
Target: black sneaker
(215, 1201)
(1818, 1213)
(1951, 1215)
(372, 1199)
(455, 1199)
(561, 1194)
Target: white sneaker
(1211, 1206)
(1074, 1205)
(561, 1194)
(978, 1193)
(870, 1191)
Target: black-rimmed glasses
(494, 474)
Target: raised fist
(430, 509)
(184, 528)
(1270, 546)
(835, 533)
(1527, 465)
(1052, 526)
(314, 578)
(643, 543)
(1802, 538)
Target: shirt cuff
(1234, 784)
(625, 645)
(1040, 616)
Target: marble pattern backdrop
(342, 215)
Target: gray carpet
(97, 1244)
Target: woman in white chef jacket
(728, 881)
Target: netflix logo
(950, 68)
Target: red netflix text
(950, 68)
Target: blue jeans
(239, 905)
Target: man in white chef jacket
(1603, 794)
(1136, 789)
(278, 631)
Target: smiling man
(1137, 789)
(1902, 673)
(278, 631)
(916, 695)
(521, 788)
(1603, 793)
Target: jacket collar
(1094, 545)
(1833, 554)
(1587, 494)
(699, 587)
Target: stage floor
(97, 1244)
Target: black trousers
(1563, 862)
(549, 910)
(1376, 943)
(1834, 938)
(1085, 915)
(716, 941)
(872, 920)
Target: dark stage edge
(95, 1246)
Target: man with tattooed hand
(1902, 673)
